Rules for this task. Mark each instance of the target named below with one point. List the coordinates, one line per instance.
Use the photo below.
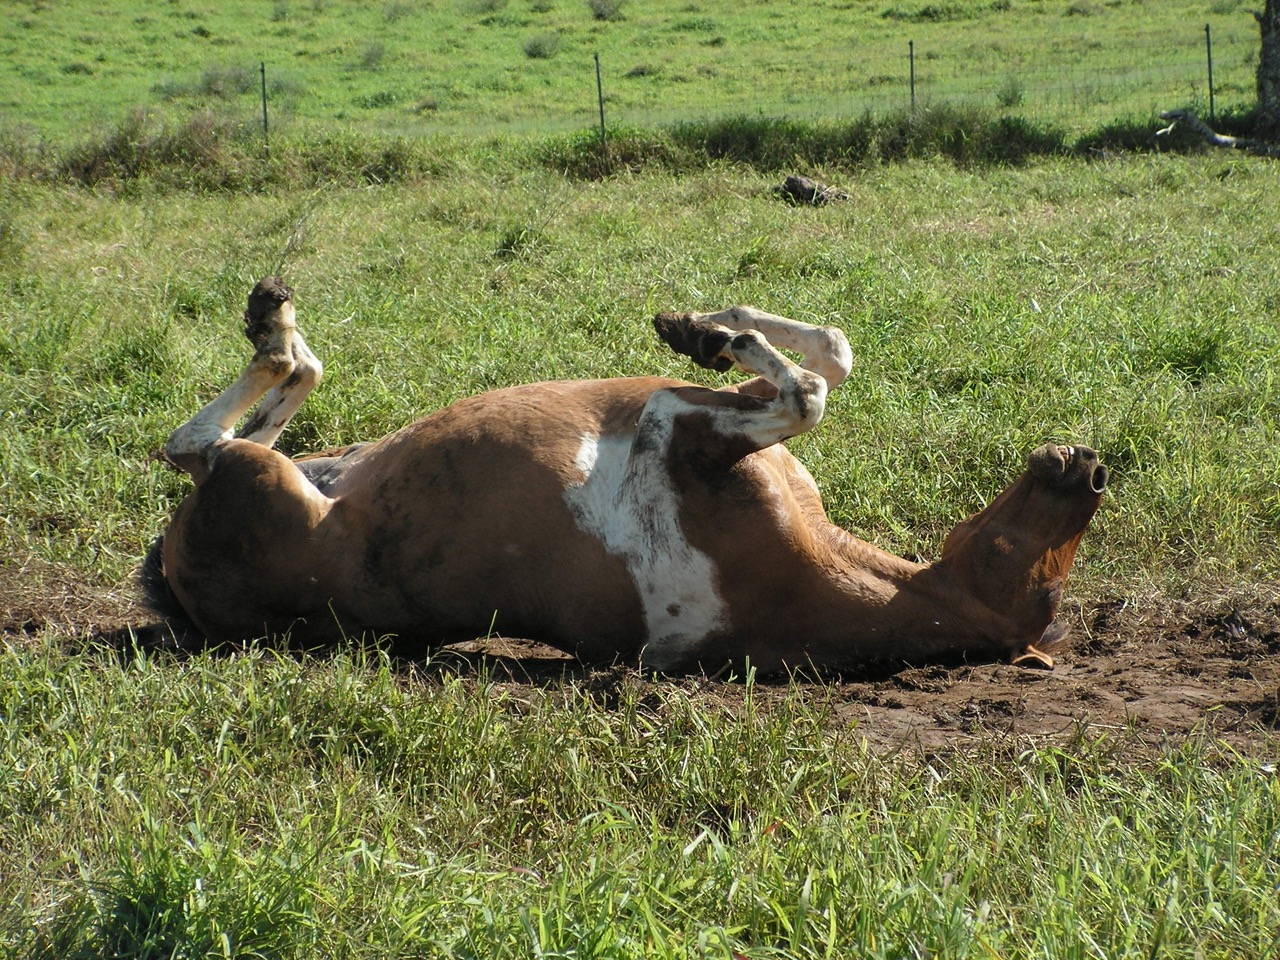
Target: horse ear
(1051, 597)
(1040, 653)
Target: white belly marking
(630, 505)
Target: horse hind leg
(284, 398)
(825, 350)
(281, 374)
(785, 400)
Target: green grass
(1007, 282)
(990, 308)
(466, 65)
(261, 806)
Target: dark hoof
(267, 296)
(700, 340)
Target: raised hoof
(1033, 659)
(262, 313)
(700, 340)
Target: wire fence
(1079, 85)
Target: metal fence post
(604, 146)
(911, 58)
(1208, 50)
(266, 139)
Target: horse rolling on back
(635, 519)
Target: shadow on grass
(499, 659)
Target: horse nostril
(1098, 482)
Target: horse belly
(499, 553)
(630, 506)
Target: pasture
(497, 800)
(398, 67)
(160, 804)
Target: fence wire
(1079, 85)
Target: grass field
(1127, 304)
(222, 806)
(255, 804)
(475, 65)
(258, 806)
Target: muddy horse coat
(621, 519)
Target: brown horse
(637, 518)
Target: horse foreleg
(282, 372)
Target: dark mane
(155, 587)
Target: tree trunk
(1269, 71)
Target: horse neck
(877, 605)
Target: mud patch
(1147, 672)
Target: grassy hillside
(448, 65)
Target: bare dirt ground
(1149, 675)
(1155, 671)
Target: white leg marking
(194, 445)
(215, 420)
(628, 502)
(283, 400)
(825, 349)
(801, 400)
